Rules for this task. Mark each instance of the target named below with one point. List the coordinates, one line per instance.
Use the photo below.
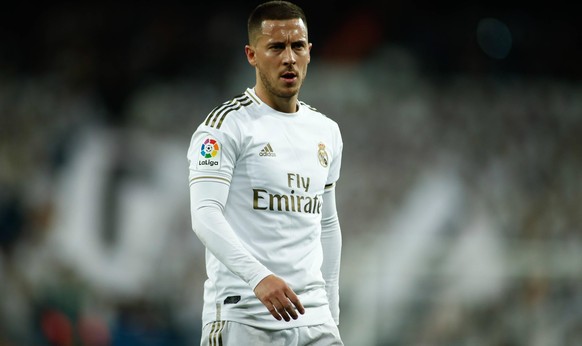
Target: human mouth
(289, 76)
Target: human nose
(289, 56)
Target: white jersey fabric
(258, 182)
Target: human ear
(250, 53)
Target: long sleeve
(207, 200)
(331, 240)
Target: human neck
(281, 104)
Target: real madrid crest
(322, 155)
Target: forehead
(292, 29)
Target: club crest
(322, 155)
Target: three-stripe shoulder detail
(308, 106)
(217, 115)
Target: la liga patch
(210, 152)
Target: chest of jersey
(286, 165)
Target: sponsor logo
(290, 202)
(267, 151)
(298, 200)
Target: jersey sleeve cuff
(259, 277)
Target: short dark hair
(273, 10)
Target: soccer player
(263, 168)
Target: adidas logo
(267, 151)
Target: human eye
(277, 46)
(299, 45)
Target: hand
(279, 298)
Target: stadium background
(460, 188)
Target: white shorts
(228, 333)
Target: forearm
(208, 222)
(331, 241)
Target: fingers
(295, 301)
(280, 312)
(274, 312)
(280, 300)
(284, 309)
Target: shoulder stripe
(221, 111)
(218, 108)
(308, 106)
(253, 97)
(242, 104)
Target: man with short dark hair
(263, 168)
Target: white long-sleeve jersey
(263, 202)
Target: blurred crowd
(458, 197)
